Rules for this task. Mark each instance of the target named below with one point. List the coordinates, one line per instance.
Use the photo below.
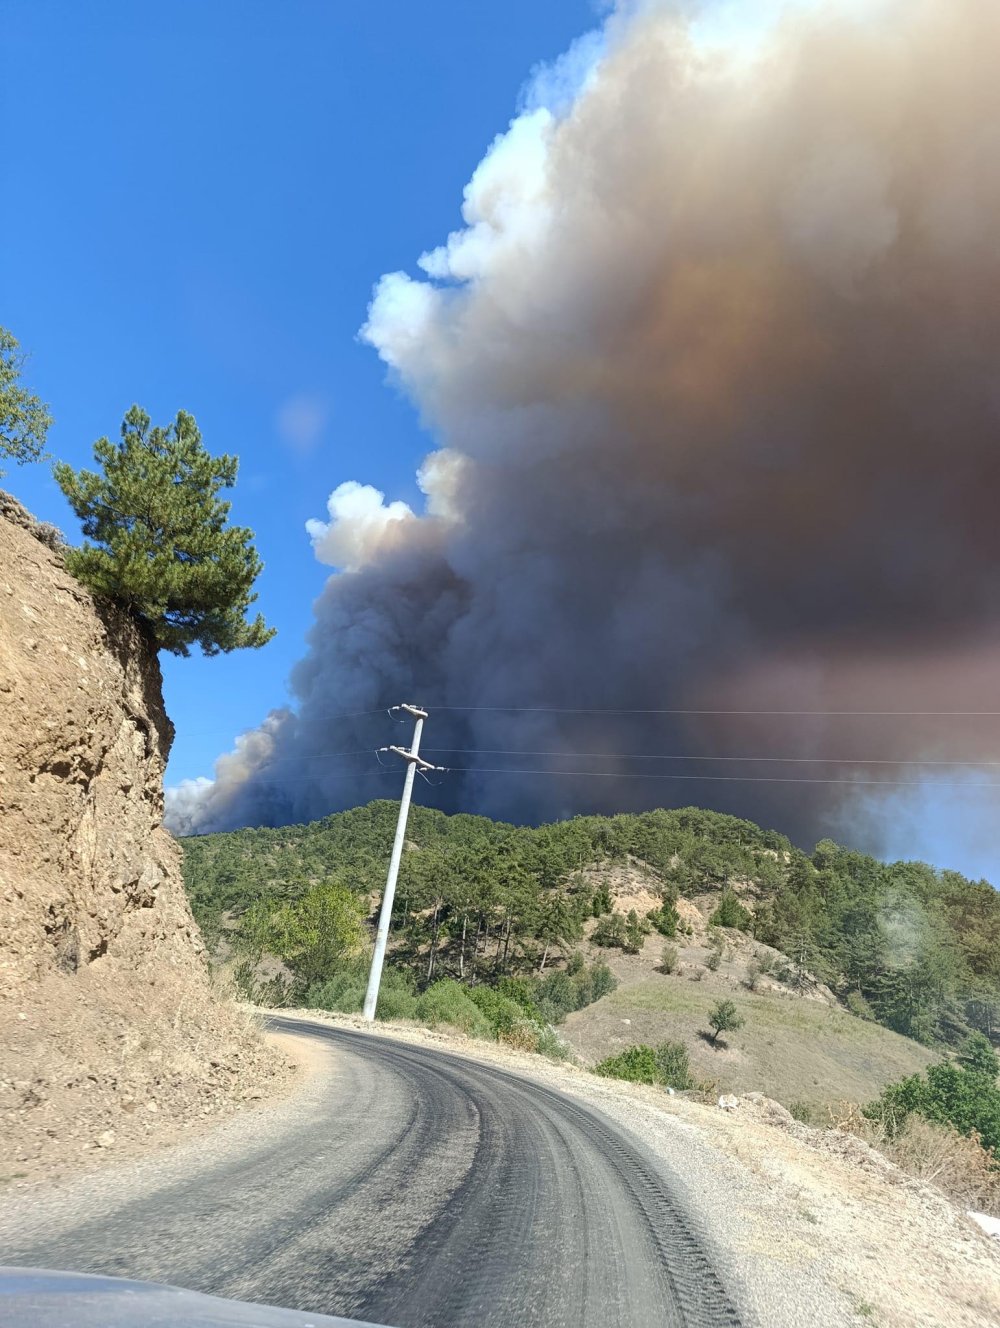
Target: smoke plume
(711, 368)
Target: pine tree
(24, 419)
(976, 1053)
(730, 912)
(161, 543)
(636, 931)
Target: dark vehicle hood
(38, 1298)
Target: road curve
(419, 1189)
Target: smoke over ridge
(712, 367)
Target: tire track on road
(418, 1189)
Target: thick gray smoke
(712, 367)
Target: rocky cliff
(108, 1025)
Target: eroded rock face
(87, 874)
(110, 1032)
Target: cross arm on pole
(413, 710)
(413, 759)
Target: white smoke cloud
(185, 804)
(360, 519)
(710, 367)
(506, 211)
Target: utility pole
(414, 762)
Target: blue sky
(205, 195)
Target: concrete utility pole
(414, 762)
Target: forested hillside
(911, 947)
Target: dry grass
(802, 1048)
(519, 1039)
(791, 1049)
(957, 1164)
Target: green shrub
(550, 1044)
(610, 932)
(447, 1002)
(673, 1065)
(345, 992)
(804, 1112)
(730, 913)
(714, 960)
(602, 982)
(667, 1065)
(636, 1064)
(976, 1053)
(669, 957)
(858, 1006)
(574, 964)
(664, 919)
(522, 992)
(395, 1001)
(558, 994)
(636, 931)
(602, 903)
(947, 1094)
(502, 1013)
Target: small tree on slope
(730, 912)
(724, 1018)
(161, 543)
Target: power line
(314, 716)
(726, 779)
(819, 714)
(644, 756)
(625, 775)
(641, 756)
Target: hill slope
(914, 949)
(796, 1046)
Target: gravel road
(405, 1187)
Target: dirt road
(417, 1188)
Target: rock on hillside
(108, 1022)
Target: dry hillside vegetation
(631, 885)
(797, 1045)
(111, 1034)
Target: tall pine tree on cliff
(161, 543)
